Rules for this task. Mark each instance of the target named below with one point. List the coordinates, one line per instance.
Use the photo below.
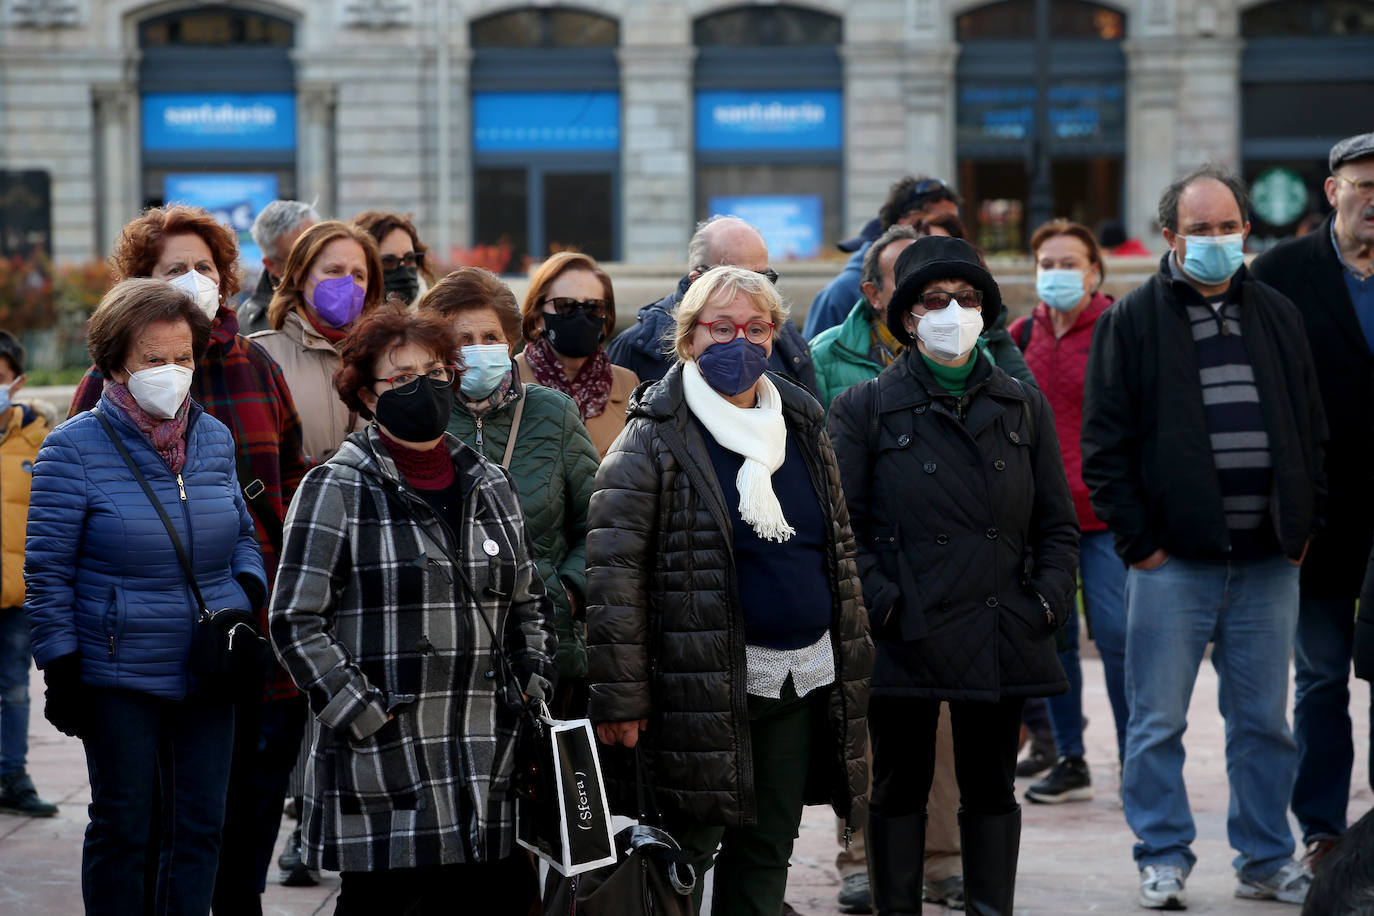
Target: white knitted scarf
(758, 434)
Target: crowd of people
(771, 572)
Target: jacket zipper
(479, 434)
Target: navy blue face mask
(733, 368)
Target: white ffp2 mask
(950, 332)
(161, 390)
(202, 289)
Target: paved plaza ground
(1075, 858)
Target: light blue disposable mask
(5, 397)
(487, 365)
(1213, 259)
(1061, 290)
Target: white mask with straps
(161, 390)
(203, 290)
(950, 332)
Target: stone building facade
(404, 104)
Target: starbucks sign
(1279, 196)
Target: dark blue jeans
(1321, 715)
(139, 745)
(15, 660)
(1066, 709)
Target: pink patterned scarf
(167, 436)
(591, 389)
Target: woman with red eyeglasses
(569, 313)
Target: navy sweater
(783, 588)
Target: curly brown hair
(543, 278)
(128, 308)
(290, 293)
(470, 289)
(140, 243)
(381, 223)
(379, 331)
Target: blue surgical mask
(487, 365)
(732, 368)
(1213, 259)
(1061, 290)
(5, 397)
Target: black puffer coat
(665, 631)
(963, 519)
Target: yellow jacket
(18, 448)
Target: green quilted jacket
(553, 468)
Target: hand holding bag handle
(214, 656)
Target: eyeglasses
(409, 259)
(439, 375)
(767, 273)
(1363, 188)
(967, 298)
(566, 306)
(723, 330)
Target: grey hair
(278, 219)
(870, 272)
(1168, 201)
(699, 248)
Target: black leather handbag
(229, 656)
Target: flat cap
(1350, 149)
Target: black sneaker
(293, 870)
(855, 896)
(1039, 758)
(1068, 781)
(18, 796)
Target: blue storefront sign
(522, 122)
(1093, 111)
(790, 223)
(234, 199)
(779, 119)
(189, 121)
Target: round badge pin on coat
(490, 547)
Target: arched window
(546, 133)
(1016, 19)
(769, 106)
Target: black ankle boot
(896, 849)
(991, 843)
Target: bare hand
(1153, 561)
(1303, 555)
(626, 733)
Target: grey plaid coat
(412, 757)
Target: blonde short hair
(719, 286)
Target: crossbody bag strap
(152, 498)
(514, 430)
(255, 494)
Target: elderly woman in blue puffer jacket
(112, 612)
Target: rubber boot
(991, 844)
(896, 848)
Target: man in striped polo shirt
(1202, 438)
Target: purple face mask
(337, 300)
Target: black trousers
(902, 732)
(502, 888)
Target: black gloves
(257, 596)
(67, 705)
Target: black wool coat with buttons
(964, 522)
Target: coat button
(992, 534)
(491, 673)
(942, 539)
(992, 601)
(1014, 436)
(919, 408)
(929, 467)
(1000, 464)
(903, 440)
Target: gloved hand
(66, 703)
(257, 596)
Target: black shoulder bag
(229, 655)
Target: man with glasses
(1202, 451)
(909, 201)
(1329, 276)
(718, 241)
(274, 232)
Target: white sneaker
(1287, 885)
(1161, 888)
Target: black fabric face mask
(403, 281)
(417, 412)
(575, 336)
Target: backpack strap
(1023, 337)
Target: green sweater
(953, 379)
(553, 470)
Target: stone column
(1153, 84)
(875, 132)
(315, 181)
(1209, 101)
(928, 87)
(656, 152)
(463, 193)
(117, 150)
